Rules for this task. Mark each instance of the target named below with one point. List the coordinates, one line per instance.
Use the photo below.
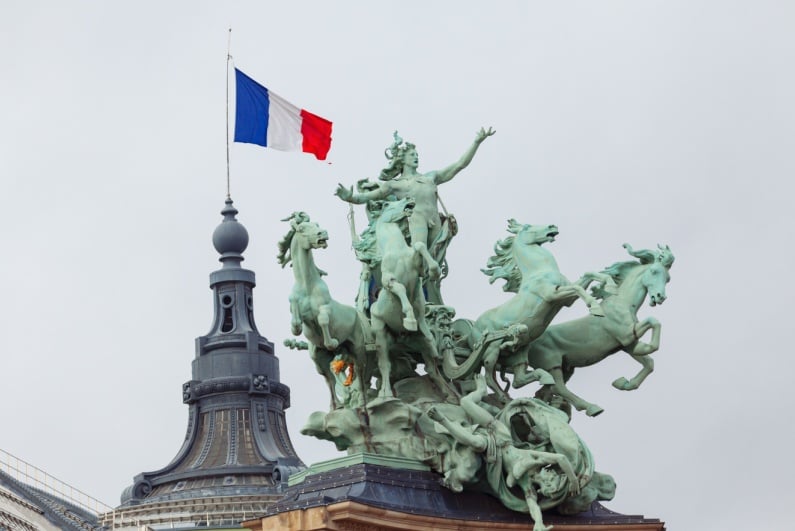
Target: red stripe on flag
(317, 134)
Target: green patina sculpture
(453, 414)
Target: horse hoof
(543, 377)
(622, 384)
(520, 382)
(332, 345)
(410, 324)
(593, 410)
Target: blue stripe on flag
(251, 114)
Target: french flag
(265, 119)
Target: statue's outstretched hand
(483, 134)
(346, 194)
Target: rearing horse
(400, 305)
(541, 290)
(588, 340)
(330, 327)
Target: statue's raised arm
(444, 175)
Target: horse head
(312, 235)
(396, 211)
(532, 234)
(654, 280)
(304, 234)
(655, 277)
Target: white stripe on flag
(284, 124)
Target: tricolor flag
(268, 120)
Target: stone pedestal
(366, 492)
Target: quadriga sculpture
(541, 290)
(588, 340)
(520, 450)
(330, 327)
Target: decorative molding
(231, 454)
(260, 383)
(262, 423)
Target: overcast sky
(624, 121)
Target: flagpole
(228, 60)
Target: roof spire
(237, 447)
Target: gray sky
(641, 122)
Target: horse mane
(365, 247)
(284, 258)
(295, 219)
(618, 272)
(503, 265)
(648, 256)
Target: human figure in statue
(507, 464)
(401, 179)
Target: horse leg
(559, 388)
(522, 377)
(295, 316)
(399, 291)
(640, 352)
(647, 363)
(323, 320)
(640, 348)
(322, 360)
(363, 348)
(490, 359)
(571, 290)
(594, 307)
(382, 357)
